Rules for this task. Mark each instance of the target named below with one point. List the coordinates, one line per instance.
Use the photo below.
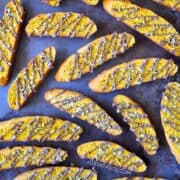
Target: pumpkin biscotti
(111, 154)
(133, 73)
(10, 26)
(146, 22)
(59, 173)
(91, 2)
(82, 107)
(51, 2)
(25, 156)
(170, 117)
(63, 24)
(39, 128)
(93, 55)
(138, 121)
(30, 78)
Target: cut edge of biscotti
(91, 2)
(53, 3)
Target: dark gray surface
(148, 95)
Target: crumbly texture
(39, 128)
(59, 173)
(170, 117)
(63, 24)
(83, 108)
(93, 55)
(10, 26)
(111, 154)
(138, 121)
(30, 78)
(25, 156)
(138, 178)
(91, 2)
(133, 73)
(145, 22)
(51, 2)
(173, 4)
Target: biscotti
(173, 4)
(138, 121)
(145, 22)
(93, 55)
(30, 78)
(170, 117)
(133, 73)
(59, 173)
(91, 2)
(138, 178)
(82, 107)
(39, 128)
(51, 2)
(111, 154)
(25, 156)
(63, 24)
(10, 26)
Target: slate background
(148, 95)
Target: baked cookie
(64, 24)
(51, 2)
(170, 117)
(145, 22)
(39, 128)
(138, 121)
(30, 78)
(25, 156)
(83, 108)
(59, 173)
(111, 154)
(91, 2)
(10, 26)
(133, 73)
(138, 178)
(93, 55)
(173, 4)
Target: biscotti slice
(93, 55)
(84, 108)
(138, 178)
(10, 25)
(111, 154)
(25, 156)
(59, 173)
(138, 121)
(170, 117)
(173, 4)
(30, 78)
(133, 73)
(39, 128)
(91, 2)
(51, 2)
(63, 24)
(146, 22)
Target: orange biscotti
(28, 80)
(82, 107)
(145, 22)
(111, 154)
(170, 117)
(59, 173)
(10, 25)
(25, 156)
(39, 128)
(93, 55)
(91, 2)
(138, 121)
(51, 2)
(133, 73)
(64, 24)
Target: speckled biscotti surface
(138, 178)
(63, 24)
(138, 121)
(133, 73)
(59, 173)
(10, 26)
(170, 117)
(25, 156)
(173, 4)
(93, 55)
(39, 128)
(82, 107)
(145, 22)
(91, 2)
(51, 2)
(111, 154)
(28, 80)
